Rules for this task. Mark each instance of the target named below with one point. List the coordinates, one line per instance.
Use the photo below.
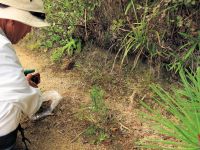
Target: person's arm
(14, 87)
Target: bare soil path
(55, 132)
(59, 132)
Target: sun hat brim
(22, 16)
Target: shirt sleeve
(14, 87)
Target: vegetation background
(156, 30)
(165, 34)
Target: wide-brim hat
(29, 12)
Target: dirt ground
(55, 132)
(62, 131)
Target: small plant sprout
(98, 104)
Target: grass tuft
(182, 124)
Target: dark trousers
(8, 141)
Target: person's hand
(33, 79)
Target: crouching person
(18, 94)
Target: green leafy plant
(181, 125)
(135, 40)
(145, 36)
(59, 35)
(91, 130)
(102, 137)
(98, 134)
(72, 46)
(188, 52)
(77, 12)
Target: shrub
(65, 16)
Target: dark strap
(24, 139)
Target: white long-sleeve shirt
(16, 96)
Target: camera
(36, 79)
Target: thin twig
(86, 34)
(72, 141)
(125, 30)
(131, 98)
(190, 15)
(113, 66)
(124, 127)
(108, 52)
